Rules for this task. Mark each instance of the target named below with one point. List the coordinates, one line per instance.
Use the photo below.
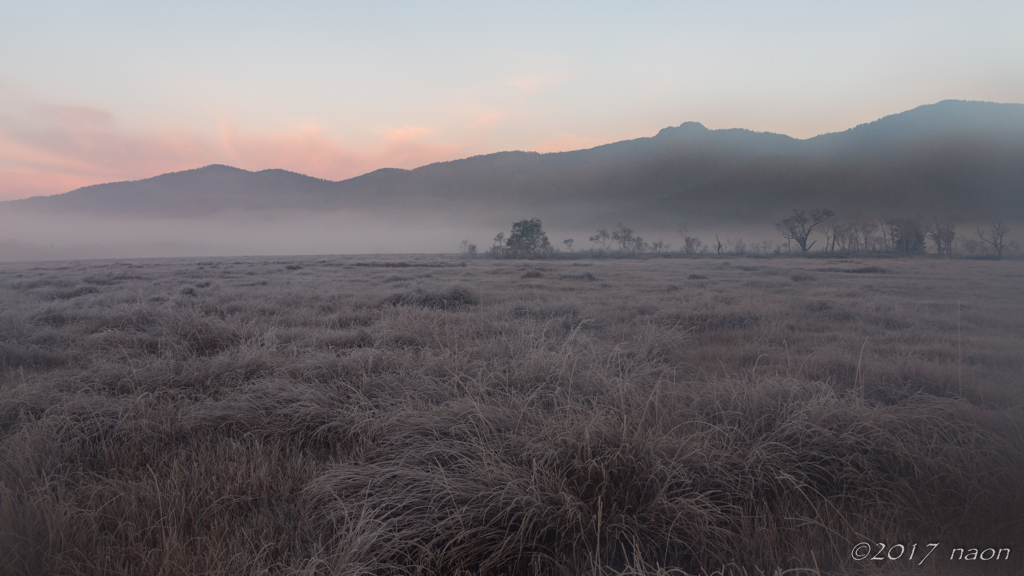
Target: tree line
(801, 232)
(906, 235)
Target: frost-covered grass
(414, 415)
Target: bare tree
(798, 226)
(840, 236)
(718, 245)
(627, 241)
(691, 245)
(831, 230)
(942, 233)
(886, 228)
(603, 238)
(846, 237)
(996, 232)
(498, 249)
(866, 231)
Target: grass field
(429, 415)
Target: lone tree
(568, 243)
(528, 240)
(798, 226)
(603, 238)
(996, 232)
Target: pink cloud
(54, 149)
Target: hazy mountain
(952, 157)
(198, 192)
(566, 187)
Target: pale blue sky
(100, 91)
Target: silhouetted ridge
(684, 129)
(954, 156)
(944, 119)
(958, 158)
(197, 192)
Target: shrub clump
(454, 296)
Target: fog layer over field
(29, 236)
(38, 237)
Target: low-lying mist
(30, 236)
(36, 237)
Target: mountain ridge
(951, 155)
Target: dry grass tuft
(454, 296)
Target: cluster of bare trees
(902, 235)
(468, 250)
(799, 226)
(905, 235)
(624, 240)
(851, 236)
(996, 235)
(528, 240)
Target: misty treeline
(801, 233)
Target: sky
(108, 91)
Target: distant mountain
(568, 187)
(196, 192)
(952, 157)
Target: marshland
(426, 414)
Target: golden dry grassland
(430, 415)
